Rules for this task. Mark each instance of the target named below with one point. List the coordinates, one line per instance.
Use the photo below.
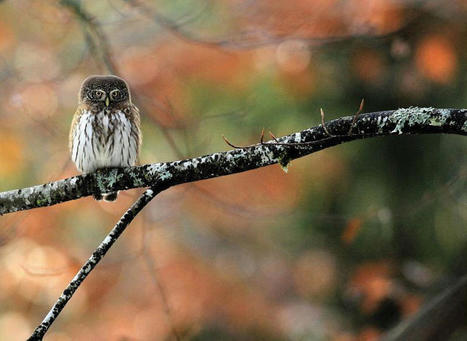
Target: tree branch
(282, 150)
(96, 256)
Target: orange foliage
(315, 274)
(31, 269)
(135, 59)
(373, 281)
(411, 304)
(38, 101)
(293, 56)
(17, 322)
(300, 85)
(171, 67)
(11, 157)
(6, 37)
(368, 65)
(265, 192)
(436, 58)
(374, 16)
(351, 230)
(369, 334)
(304, 19)
(197, 294)
(322, 19)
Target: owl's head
(104, 91)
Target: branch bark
(163, 175)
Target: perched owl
(105, 131)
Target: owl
(105, 131)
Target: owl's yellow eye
(116, 95)
(97, 95)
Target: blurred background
(351, 241)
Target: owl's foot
(97, 196)
(110, 196)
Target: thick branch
(283, 150)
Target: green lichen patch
(105, 179)
(284, 162)
(408, 117)
(137, 181)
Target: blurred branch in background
(436, 320)
(251, 39)
(94, 35)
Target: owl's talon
(110, 196)
(97, 196)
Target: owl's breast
(104, 140)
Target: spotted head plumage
(100, 92)
(105, 131)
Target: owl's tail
(112, 196)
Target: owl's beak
(107, 101)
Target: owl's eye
(116, 95)
(97, 95)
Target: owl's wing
(74, 123)
(137, 120)
(135, 129)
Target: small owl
(105, 131)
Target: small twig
(273, 136)
(91, 263)
(360, 109)
(324, 124)
(231, 144)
